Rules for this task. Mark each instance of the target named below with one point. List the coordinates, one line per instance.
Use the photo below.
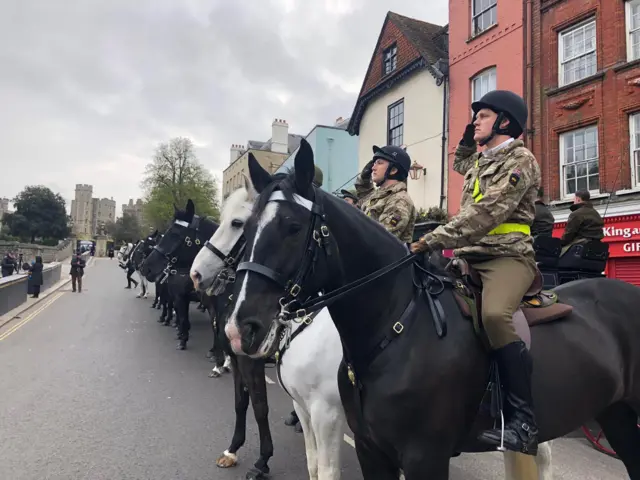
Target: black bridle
(317, 240)
(228, 273)
(170, 255)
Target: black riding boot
(520, 431)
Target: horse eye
(237, 223)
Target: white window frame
(475, 15)
(628, 32)
(634, 147)
(563, 164)
(562, 61)
(489, 72)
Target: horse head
(180, 243)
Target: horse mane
(286, 183)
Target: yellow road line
(31, 316)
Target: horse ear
(191, 208)
(249, 187)
(304, 167)
(260, 178)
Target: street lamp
(416, 170)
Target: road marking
(349, 440)
(269, 381)
(31, 316)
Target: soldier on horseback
(492, 233)
(390, 204)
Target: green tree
(127, 229)
(174, 176)
(40, 213)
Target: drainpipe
(443, 67)
(528, 70)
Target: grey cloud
(88, 88)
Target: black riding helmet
(397, 157)
(507, 105)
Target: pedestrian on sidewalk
(36, 277)
(8, 265)
(77, 271)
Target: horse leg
(328, 423)
(620, 424)
(258, 394)
(310, 445)
(229, 457)
(185, 325)
(375, 464)
(427, 460)
(518, 466)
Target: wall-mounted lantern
(416, 170)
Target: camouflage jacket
(391, 206)
(509, 181)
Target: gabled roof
(430, 41)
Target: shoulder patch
(395, 219)
(514, 178)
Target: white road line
(269, 381)
(349, 440)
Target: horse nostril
(196, 275)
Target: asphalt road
(92, 388)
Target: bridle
(228, 273)
(317, 240)
(170, 255)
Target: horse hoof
(209, 354)
(181, 346)
(255, 474)
(227, 460)
(159, 307)
(215, 373)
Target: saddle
(538, 306)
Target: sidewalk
(65, 280)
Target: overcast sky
(88, 88)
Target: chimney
(280, 136)
(236, 151)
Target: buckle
(197, 241)
(295, 290)
(324, 230)
(398, 328)
(301, 313)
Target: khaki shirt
(391, 206)
(509, 180)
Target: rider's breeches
(505, 280)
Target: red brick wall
(605, 102)
(501, 46)
(407, 53)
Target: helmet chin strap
(495, 130)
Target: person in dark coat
(36, 276)
(543, 221)
(584, 223)
(8, 265)
(77, 271)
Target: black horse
(411, 388)
(172, 258)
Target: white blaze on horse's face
(235, 212)
(231, 329)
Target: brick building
(586, 115)
(488, 45)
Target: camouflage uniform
(391, 206)
(508, 181)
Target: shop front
(622, 233)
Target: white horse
(124, 254)
(308, 367)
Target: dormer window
(389, 59)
